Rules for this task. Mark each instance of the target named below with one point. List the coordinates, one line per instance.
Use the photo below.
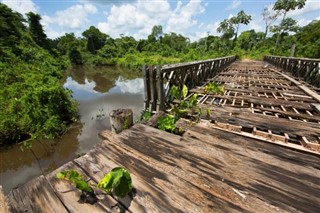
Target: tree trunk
(280, 31)
(293, 48)
(121, 119)
(266, 32)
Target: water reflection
(97, 90)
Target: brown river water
(98, 90)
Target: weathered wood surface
(244, 117)
(205, 170)
(307, 69)
(272, 104)
(4, 208)
(35, 196)
(121, 119)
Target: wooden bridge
(257, 151)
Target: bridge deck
(218, 165)
(263, 103)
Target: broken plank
(97, 166)
(292, 114)
(161, 171)
(70, 195)
(243, 117)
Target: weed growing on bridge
(214, 88)
(145, 116)
(184, 108)
(117, 182)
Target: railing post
(308, 69)
(153, 89)
(160, 85)
(190, 74)
(146, 81)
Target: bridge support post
(121, 119)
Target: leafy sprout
(214, 88)
(145, 115)
(76, 178)
(117, 181)
(167, 123)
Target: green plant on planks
(145, 116)
(214, 88)
(117, 182)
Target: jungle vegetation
(33, 103)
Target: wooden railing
(307, 69)
(159, 80)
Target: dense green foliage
(167, 48)
(33, 103)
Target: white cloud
(203, 31)
(256, 24)
(309, 7)
(87, 87)
(134, 86)
(21, 6)
(137, 18)
(235, 4)
(212, 28)
(303, 22)
(183, 16)
(114, 2)
(73, 18)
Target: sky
(192, 18)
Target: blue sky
(191, 18)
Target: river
(98, 90)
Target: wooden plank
(97, 165)
(243, 117)
(292, 114)
(154, 178)
(188, 179)
(69, 195)
(306, 89)
(35, 196)
(316, 107)
(224, 165)
(4, 207)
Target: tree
(95, 39)
(241, 18)
(288, 25)
(156, 34)
(67, 42)
(247, 40)
(226, 27)
(269, 17)
(36, 30)
(284, 6)
(11, 26)
(308, 38)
